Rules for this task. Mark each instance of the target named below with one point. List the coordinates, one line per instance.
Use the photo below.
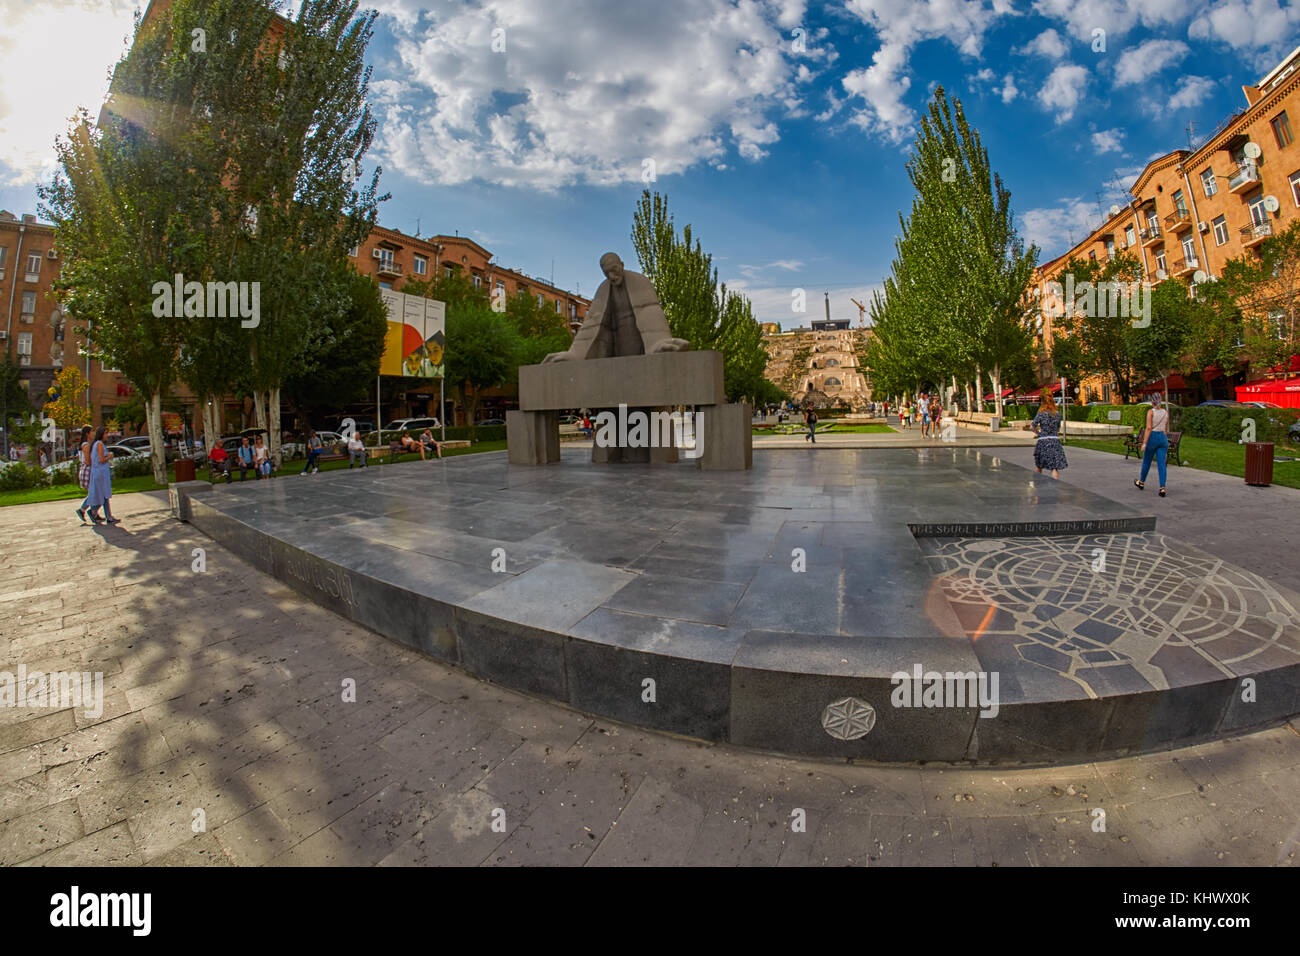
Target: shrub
(1224, 424)
(20, 476)
(132, 466)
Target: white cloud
(1116, 17)
(1063, 90)
(1107, 140)
(1009, 91)
(1261, 28)
(901, 25)
(1148, 59)
(583, 93)
(1054, 229)
(56, 57)
(1048, 44)
(1192, 92)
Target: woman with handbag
(101, 480)
(83, 470)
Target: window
(4, 252)
(34, 263)
(832, 381)
(1110, 247)
(1161, 265)
(1180, 204)
(1130, 236)
(541, 299)
(1258, 214)
(107, 366)
(449, 271)
(1220, 231)
(29, 306)
(1294, 181)
(478, 281)
(1208, 182)
(1092, 255)
(421, 265)
(1153, 222)
(385, 258)
(386, 285)
(559, 307)
(355, 251)
(1189, 251)
(1282, 130)
(24, 348)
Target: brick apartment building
(35, 333)
(1193, 210)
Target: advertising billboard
(416, 337)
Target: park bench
(1133, 445)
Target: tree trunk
(211, 429)
(157, 451)
(259, 412)
(997, 389)
(979, 387)
(273, 411)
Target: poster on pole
(416, 336)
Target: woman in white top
(1155, 444)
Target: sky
(778, 129)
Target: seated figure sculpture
(624, 319)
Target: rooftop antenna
(1191, 136)
(828, 305)
(417, 227)
(1097, 193)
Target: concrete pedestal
(533, 438)
(728, 441)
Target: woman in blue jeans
(1156, 443)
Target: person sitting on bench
(408, 443)
(219, 463)
(426, 442)
(244, 460)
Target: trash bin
(185, 468)
(1259, 463)
(993, 424)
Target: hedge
(454, 433)
(1200, 421)
(21, 475)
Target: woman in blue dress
(1049, 453)
(101, 480)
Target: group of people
(95, 475)
(926, 412)
(254, 457)
(424, 443)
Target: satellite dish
(1198, 275)
(1114, 210)
(1251, 150)
(1271, 203)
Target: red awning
(1037, 393)
(1284, 392)
(1291, 366)
(1005, 393)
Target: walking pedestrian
(810, 419)
(923, 406)
(1156, 443)
(1049, 453)
(101, 480)
(83, 470)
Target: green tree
(1265, 289)
(1159, 348)
(482, 352)
(1105, 342)
(15, 403)
(698, 308)
(541, 330)
(342, 366)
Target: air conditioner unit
(4, 334)
(1162, 274)
(1123, 244)
(375, 253)
(52, 254)
(1203, 226)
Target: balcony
(1186, 267)
(1160, 275)
(389, 268)
(1255, 233)
(1246, 177)
(1178, 220)
(1150, 235)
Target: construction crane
(862, 312)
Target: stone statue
(624, 319)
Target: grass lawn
(122, 486)
(1223, 457)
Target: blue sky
(787, 162)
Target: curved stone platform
(771, 609)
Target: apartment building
(394, 259)
(35, 333)
(1193, 210)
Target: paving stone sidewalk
(223, 694)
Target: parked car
(1262, 404)
(1222, 403)
(127, 451)
(1293, 433)
(493, 421)
(136, 441)
(412, 424)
